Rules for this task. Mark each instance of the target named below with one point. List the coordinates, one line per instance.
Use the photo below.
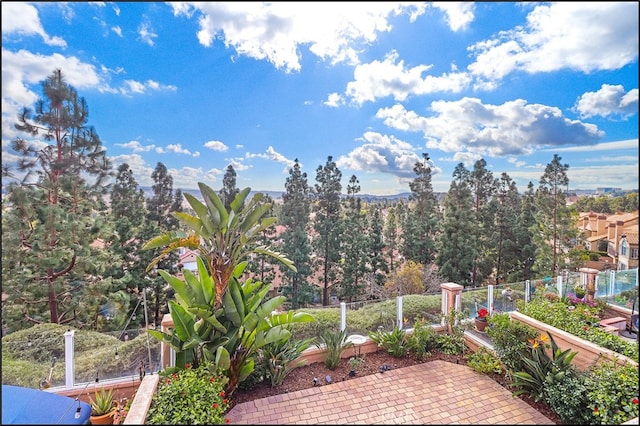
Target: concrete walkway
(436, 392)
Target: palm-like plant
(223, 238)
(215, 316)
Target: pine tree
(229, 187)
(355, 246)
(483, 187)
(525, 227)
(327, 223)
(159, 219)
(378, 264)
(554, 217)
(52, 212)
(421, 225)
(507, 207)
(457, 241)
(295, 216)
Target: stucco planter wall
(588, 352)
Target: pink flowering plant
(190, 396)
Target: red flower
(187, 365)
(224, 401)
(211, 380)
(222, 394)
(595, 410)
(635, 401)
(175, 376)
(215, 405)
(482, 313)
(168, 381)
(227, 420)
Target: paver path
(436, 392)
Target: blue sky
(199, 86)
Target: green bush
(581, 321)
(190, 396)
(325, 319)
(612, 393)
(394, 342)
(567, 398)
(509, 339)
(423, 339)
(484, 361)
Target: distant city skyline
(199, 86)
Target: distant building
(617, 234)
(606, 190)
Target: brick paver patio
(436, 392)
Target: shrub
(567, 397)
(540, 369)
(509, 339)
(612, 393)
(484, 361)
(394, 342)
(334, 342)
(581, 322)
(423, 339)
(190, 396)
(282, 357)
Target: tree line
(72, 240)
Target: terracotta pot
(105, 419)
(481, 324)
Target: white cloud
(137, 146)
(381, 154)
(390, 77)
(146, 33)
(216, 146)
(562, 35)
(458, 14)
(513, 128)
(275, 31)
(22, 19)
(609, 101)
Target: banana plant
(230, 336)
(224, 238)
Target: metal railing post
(69, 361)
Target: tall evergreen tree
(554, 217)
(391, 235)
(229, 187)
(421, 226)
(377, 262)
(355, 246)
(483, 187)
(526, 225)
(159, 219)
(296, 246)
(507, 209)
(327, 223)
(53, 209)
(457, 242)
(261, 266)
(128, 211)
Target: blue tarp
(26, 406)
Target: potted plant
(481, 319)
(103, 407)
(580, 291)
